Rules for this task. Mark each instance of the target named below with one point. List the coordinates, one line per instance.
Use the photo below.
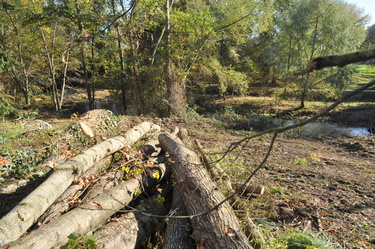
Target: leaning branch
(337, 60)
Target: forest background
(159, 56)
(176, 59)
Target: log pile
(75, 200)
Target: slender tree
(15, 39)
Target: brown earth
(316, 184)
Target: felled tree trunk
(178, 232)
(118, 234)
(61, 205)
(22, 217)
(218, 228)
(81, 219)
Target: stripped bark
(22, 217)
(218, 228)
(81, 219)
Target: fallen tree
(62, 204)
(119, 233)
(80, 220)
(218, 228)
(101, 202)
(22, 217)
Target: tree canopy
(154, 54)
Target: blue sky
(368, 6)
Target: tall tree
(15, 37)
(308, 29)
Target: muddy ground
(314, 184)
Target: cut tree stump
(14, 224)
(220, 227)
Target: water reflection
(311, 129)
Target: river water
(311, 129)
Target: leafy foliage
(154, 67)
(308, 29)
(19, 163)
(89, 241)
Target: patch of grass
(300, 161)
(291, 238)
(276, 190)
(9, 130)
(297, 240)
(366, 69)
(365, 73)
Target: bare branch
(337, 60)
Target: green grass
(366, 69)
(9, 130)
(365, 74)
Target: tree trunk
(218, 228)
(22, 217)
(178, 232)
(61, 205)
(303, 96)
(118, 234)
(343, 60)
(81, 219)
(65, 61)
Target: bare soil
(317, 184)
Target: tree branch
(337, 60)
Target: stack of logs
(44, 218)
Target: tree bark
(338, 60)
(120, 233)
(22, 217)
(343, 60)
(218, 228)
(81, 219)
(96, 210)
(178, 232)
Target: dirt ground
(317, 184)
